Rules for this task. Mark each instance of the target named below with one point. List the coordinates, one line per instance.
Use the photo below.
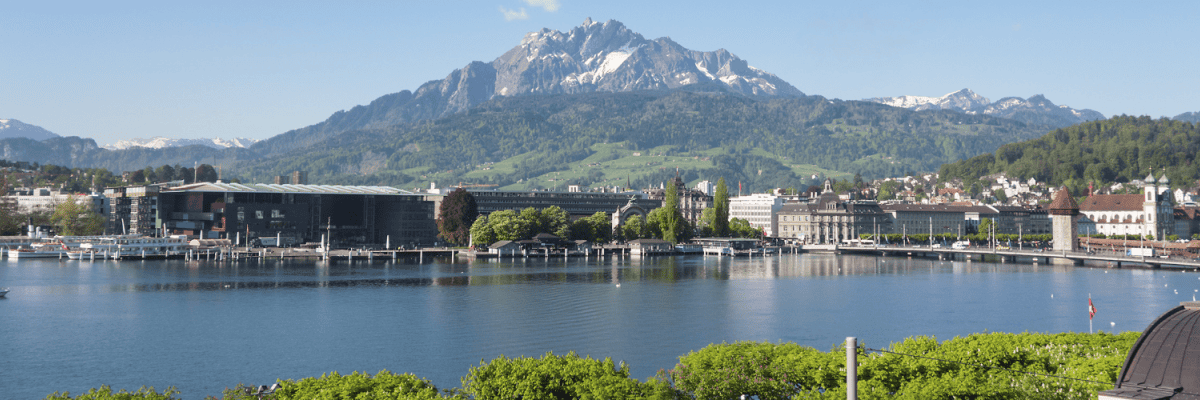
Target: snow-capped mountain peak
(608, 57)
(962, 100)
(11, 128)
(1036, 109)
(160, 142)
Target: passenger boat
(56, 247)
(133, 247)
(3, 291)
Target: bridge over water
(1113, 259)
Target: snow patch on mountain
(160, 142)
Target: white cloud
(510, 15)
(548, 5)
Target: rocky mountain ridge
(1037, 109)
(160, 142)
(11, 128)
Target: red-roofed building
(1149, 213)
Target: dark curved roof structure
(1165, 361)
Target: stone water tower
(1063, 211)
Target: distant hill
(1190, 116)
(592, 57)
(11, 128)
(1034, 110)
(72, 151)
(1119, 149)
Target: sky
(124, 69)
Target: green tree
(206, 173)
(888, 190)
(10, 218)
(71, 218)
(481, 232)
(634, 228)
(557, 221)
(533, 219)
(508, 225)
(457, 214)
(720, 221)
(671, 215)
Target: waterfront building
(759, 209)
(45, 199)
(923, 218)
(692, 202)
(1187, 221)
(349, 215)
(133, 210)
(1013, 220)
(1150, 213)
(829, 219)
(577, 204)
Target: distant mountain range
(160, 142)
(1035, 110)
(600, 94)
(11, 128)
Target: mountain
(536, 141)
(1120, 149)
(1034, 110)
(11, 128)
(160, 142)
(962, 100)
(73, 151)
(1190, 116)
(592, 57)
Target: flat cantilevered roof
(289, 188)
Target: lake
(204, 326)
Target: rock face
(609, 57)
(1034, 110)
(11, 128)
(592, 57)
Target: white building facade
(759, 209)
(1150, 213)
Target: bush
(105, 393)
(382, 386)
(555, 377)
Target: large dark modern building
(578, 204)
(350, 215)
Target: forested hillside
(1118, 149)
(737, 137)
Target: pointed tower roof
(1150, 178)
(1164, 180)
(1063, 203)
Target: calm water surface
(205, 326)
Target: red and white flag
(1091, 308)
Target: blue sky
(119, 70)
